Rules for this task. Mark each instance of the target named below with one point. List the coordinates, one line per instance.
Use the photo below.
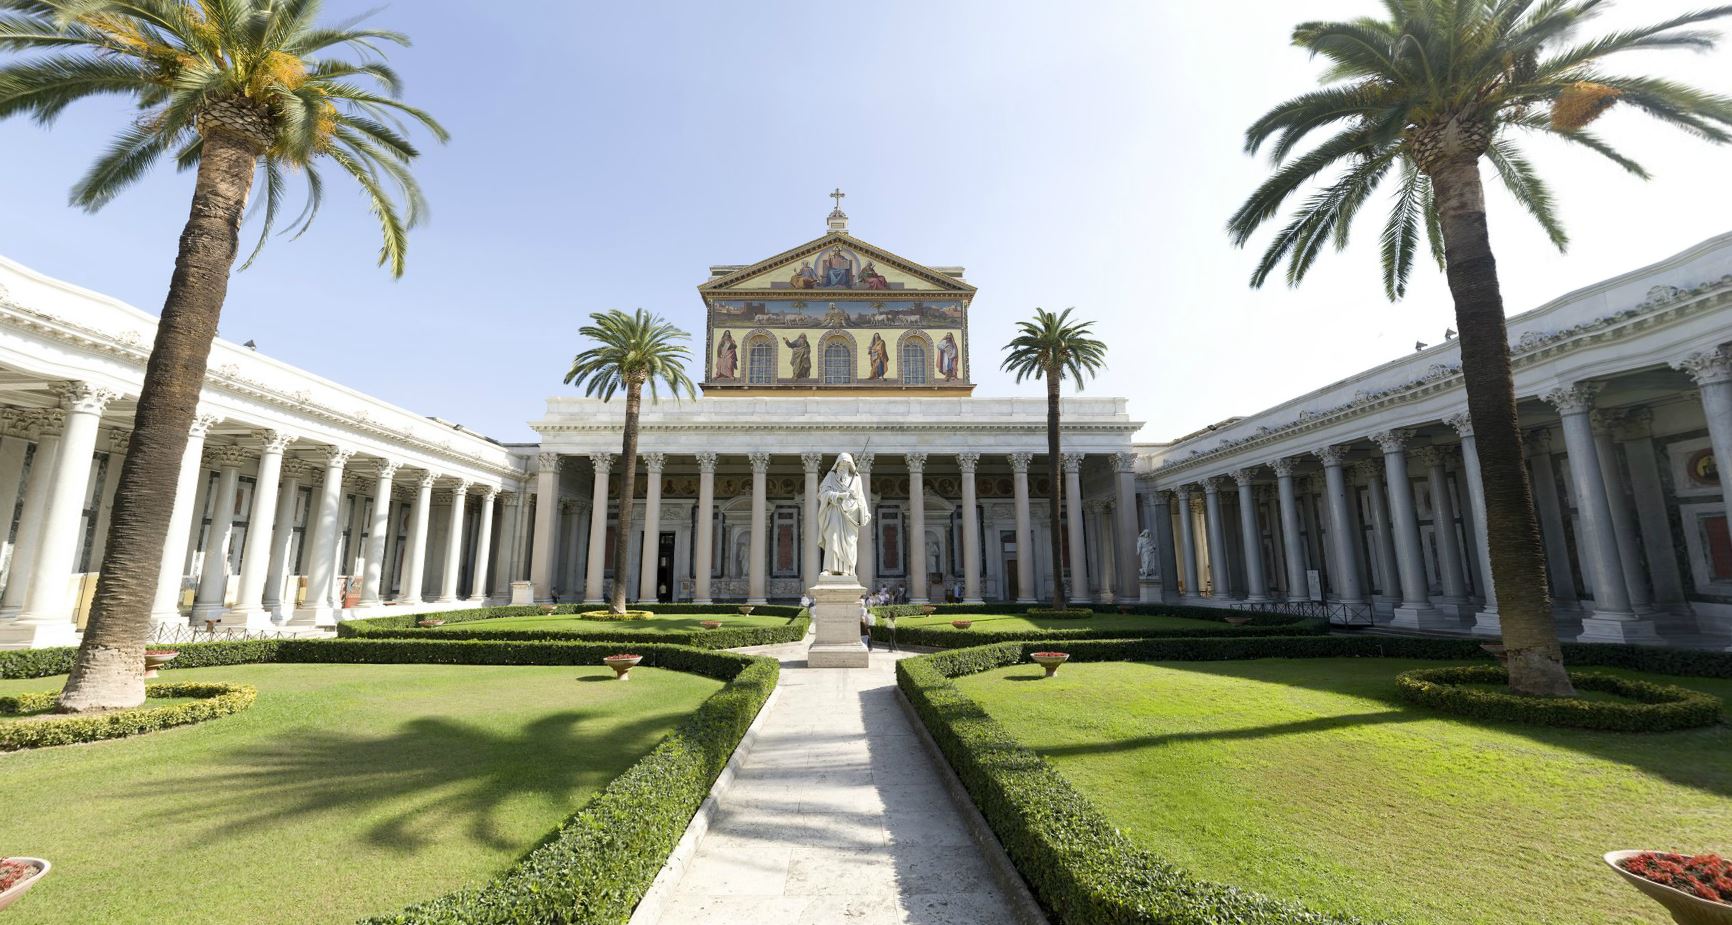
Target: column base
(1459, 610)
(1195, 600)
(1424, 618)
(919, 599)
(250, 620)
(451, 598)
(365, 603)
(703, 601)
(1256, 599)
(1487, 623)
(32, 635)
(1603, 628)
(973, 601)
(759, 600)
(204, 612)
(836, 618)
(312, 616)
(1026, 600)
(1106, 597)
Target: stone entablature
(1654, 316)
(52, 327)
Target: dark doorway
(665, 568)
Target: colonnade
(1114, 542)
(1373, 550)
(46, 459)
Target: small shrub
(1066, 613)
(1658, 707)
(215, 700)
(608, 616)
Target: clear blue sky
(605, 154)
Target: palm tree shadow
(430, 779)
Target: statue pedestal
(1148, 590)
(522, 593)
(836, 617)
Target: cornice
(1664, 305)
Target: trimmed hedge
(1658, 707)
(948, 637)
(727, 637)
(608, 616)
(42, 663)
(215, 700)
(1082, 868)
(1067, 613)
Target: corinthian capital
(1708, 367)
(1072, 462)
(1242, 477)
(1575, 399)
(1462, 423)
(1285, 466)
(810, 460)
(968, 462)
(1332, 455)
(760, 461)
(84, 398)
(654, 463)
(1393, 440)
(1019, 462)
(603, 463)
(706, 461)
(916, 462)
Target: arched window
(913, 362)
(761, 362)
(838, 364)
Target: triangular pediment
(837, 262)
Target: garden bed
(1015, 623)
(674, 624)
(1140, 793)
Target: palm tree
(630, 351)
(232, 89)
(1053, 347)
(1422, 95)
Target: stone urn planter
(622, 665)
(1237, 621)
(1685, 908)
(156, 658)
(962, 624)
(710, 624)
(928, 609)
(429, 624)
(1050, 660)
(746, 610)
(18, 875)
(548, 609)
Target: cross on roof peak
(838, 219)
(838, 195)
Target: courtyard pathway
(837, 816)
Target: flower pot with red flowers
(1695, 889)
(622, 665)
(429, 624)
(962, 624)
(928, 609)
(156, 658)
(18, 875)
(1050, 660)
(710, 624)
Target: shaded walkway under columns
(837, 815)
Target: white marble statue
(842, 514)
(1146, 554)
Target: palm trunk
(108, 672)
(627, 490)
(1055, 488)
(1512, 530)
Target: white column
(653, 464)
(453, 544)
(1486, 621)
(544, 552)
(16, 441)
(1382, 533)
(510, 540)
(1098, 526)
(1343, 562)
(969, 463)
(119, 441)
(1025, 590)
(1216, 533)
(755, 567)
(916, 527)
(46, 425)
(1125, 507)
(1188, 543)
(1451, 571)
(166, 607)
(704, 548)
(1293, 551)
(1251, 535)
(47, 615)
(592, 576)
(321, 560)
(294, 473)
(249, 611)
(866, 567)
(809, 463)
(1073, 515)
(414, 570)
(1560, 574)
(372, 580)
(1415, 611)
(213, 576)
(1712, 372)
(1623, 519)
(1612, 619)
(1636, 431)
(483, 546)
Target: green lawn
(681, 623)
(344, 791)
(1100, 621)
(1306, 779)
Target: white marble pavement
(838, 815)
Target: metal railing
(1335, 612)
(182, 633)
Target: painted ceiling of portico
(836, 262)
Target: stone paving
(837, 815)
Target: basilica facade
(303, 502)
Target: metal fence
(1336, 612)
(181, 632)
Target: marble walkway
(837, 816)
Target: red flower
(1707, 876)
(11, 872)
